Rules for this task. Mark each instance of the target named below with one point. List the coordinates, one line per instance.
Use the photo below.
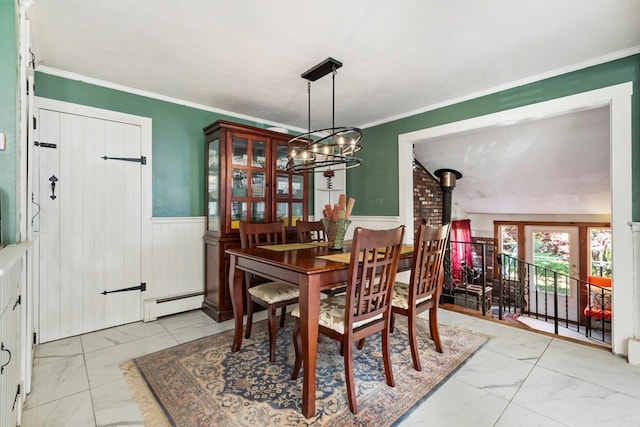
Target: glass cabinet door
(248, 179)
(213, 186)
(289, 190)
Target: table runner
(345, 257)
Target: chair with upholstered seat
(271, 295)
(424, 287)
(310, 231)
(366, 307)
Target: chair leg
(247, 332)
(413, 342)
(361, 343)
(272, 316)
(392, 324)
(433, 327)
(386, 357)
(349, 377)
(283, 315)
(297, 344)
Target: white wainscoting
(373, 222)
(177, 282)
(380, 223)
(178, 262)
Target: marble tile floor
(518, 378)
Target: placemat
(345, 243)
(287, 246)
(345, 257)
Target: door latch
(53, 180)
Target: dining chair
(424, 287)
(366, 307)
(310, 231)
(313, 231)
(271, 294)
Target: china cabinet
(245, 180)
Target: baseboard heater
(154, 308)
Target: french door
(553, 249)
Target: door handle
(53, 180)
(3, 348)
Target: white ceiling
(553, 165)
(400, 57)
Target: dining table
(312, 268)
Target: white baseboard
(154, 308)
(634, 352)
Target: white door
(90, 222)
(556, 248)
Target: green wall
(9, 123)
(178, 140)
(375, 184)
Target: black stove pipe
(447, 179)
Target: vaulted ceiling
(400, 57)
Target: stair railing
(541, 293)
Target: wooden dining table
(311, 268)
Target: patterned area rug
(202, 383)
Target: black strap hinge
(45, 144)
(141, 287)
(141, 159)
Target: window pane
(213, 188)
(297, 186)
(281, 160)
(257, 184)
(282, 185)
(551, 253)
(238, 183)
(257, 212)
(509, 240)
(239, 151)
(600, 244)
(296, 212)
(238, 213)
(282, 213)
(258, 149)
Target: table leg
(236, 291)
(309, 302)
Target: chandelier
(335, 147)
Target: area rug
(202, 383)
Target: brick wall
(427, 197)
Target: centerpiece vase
(335, 231)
